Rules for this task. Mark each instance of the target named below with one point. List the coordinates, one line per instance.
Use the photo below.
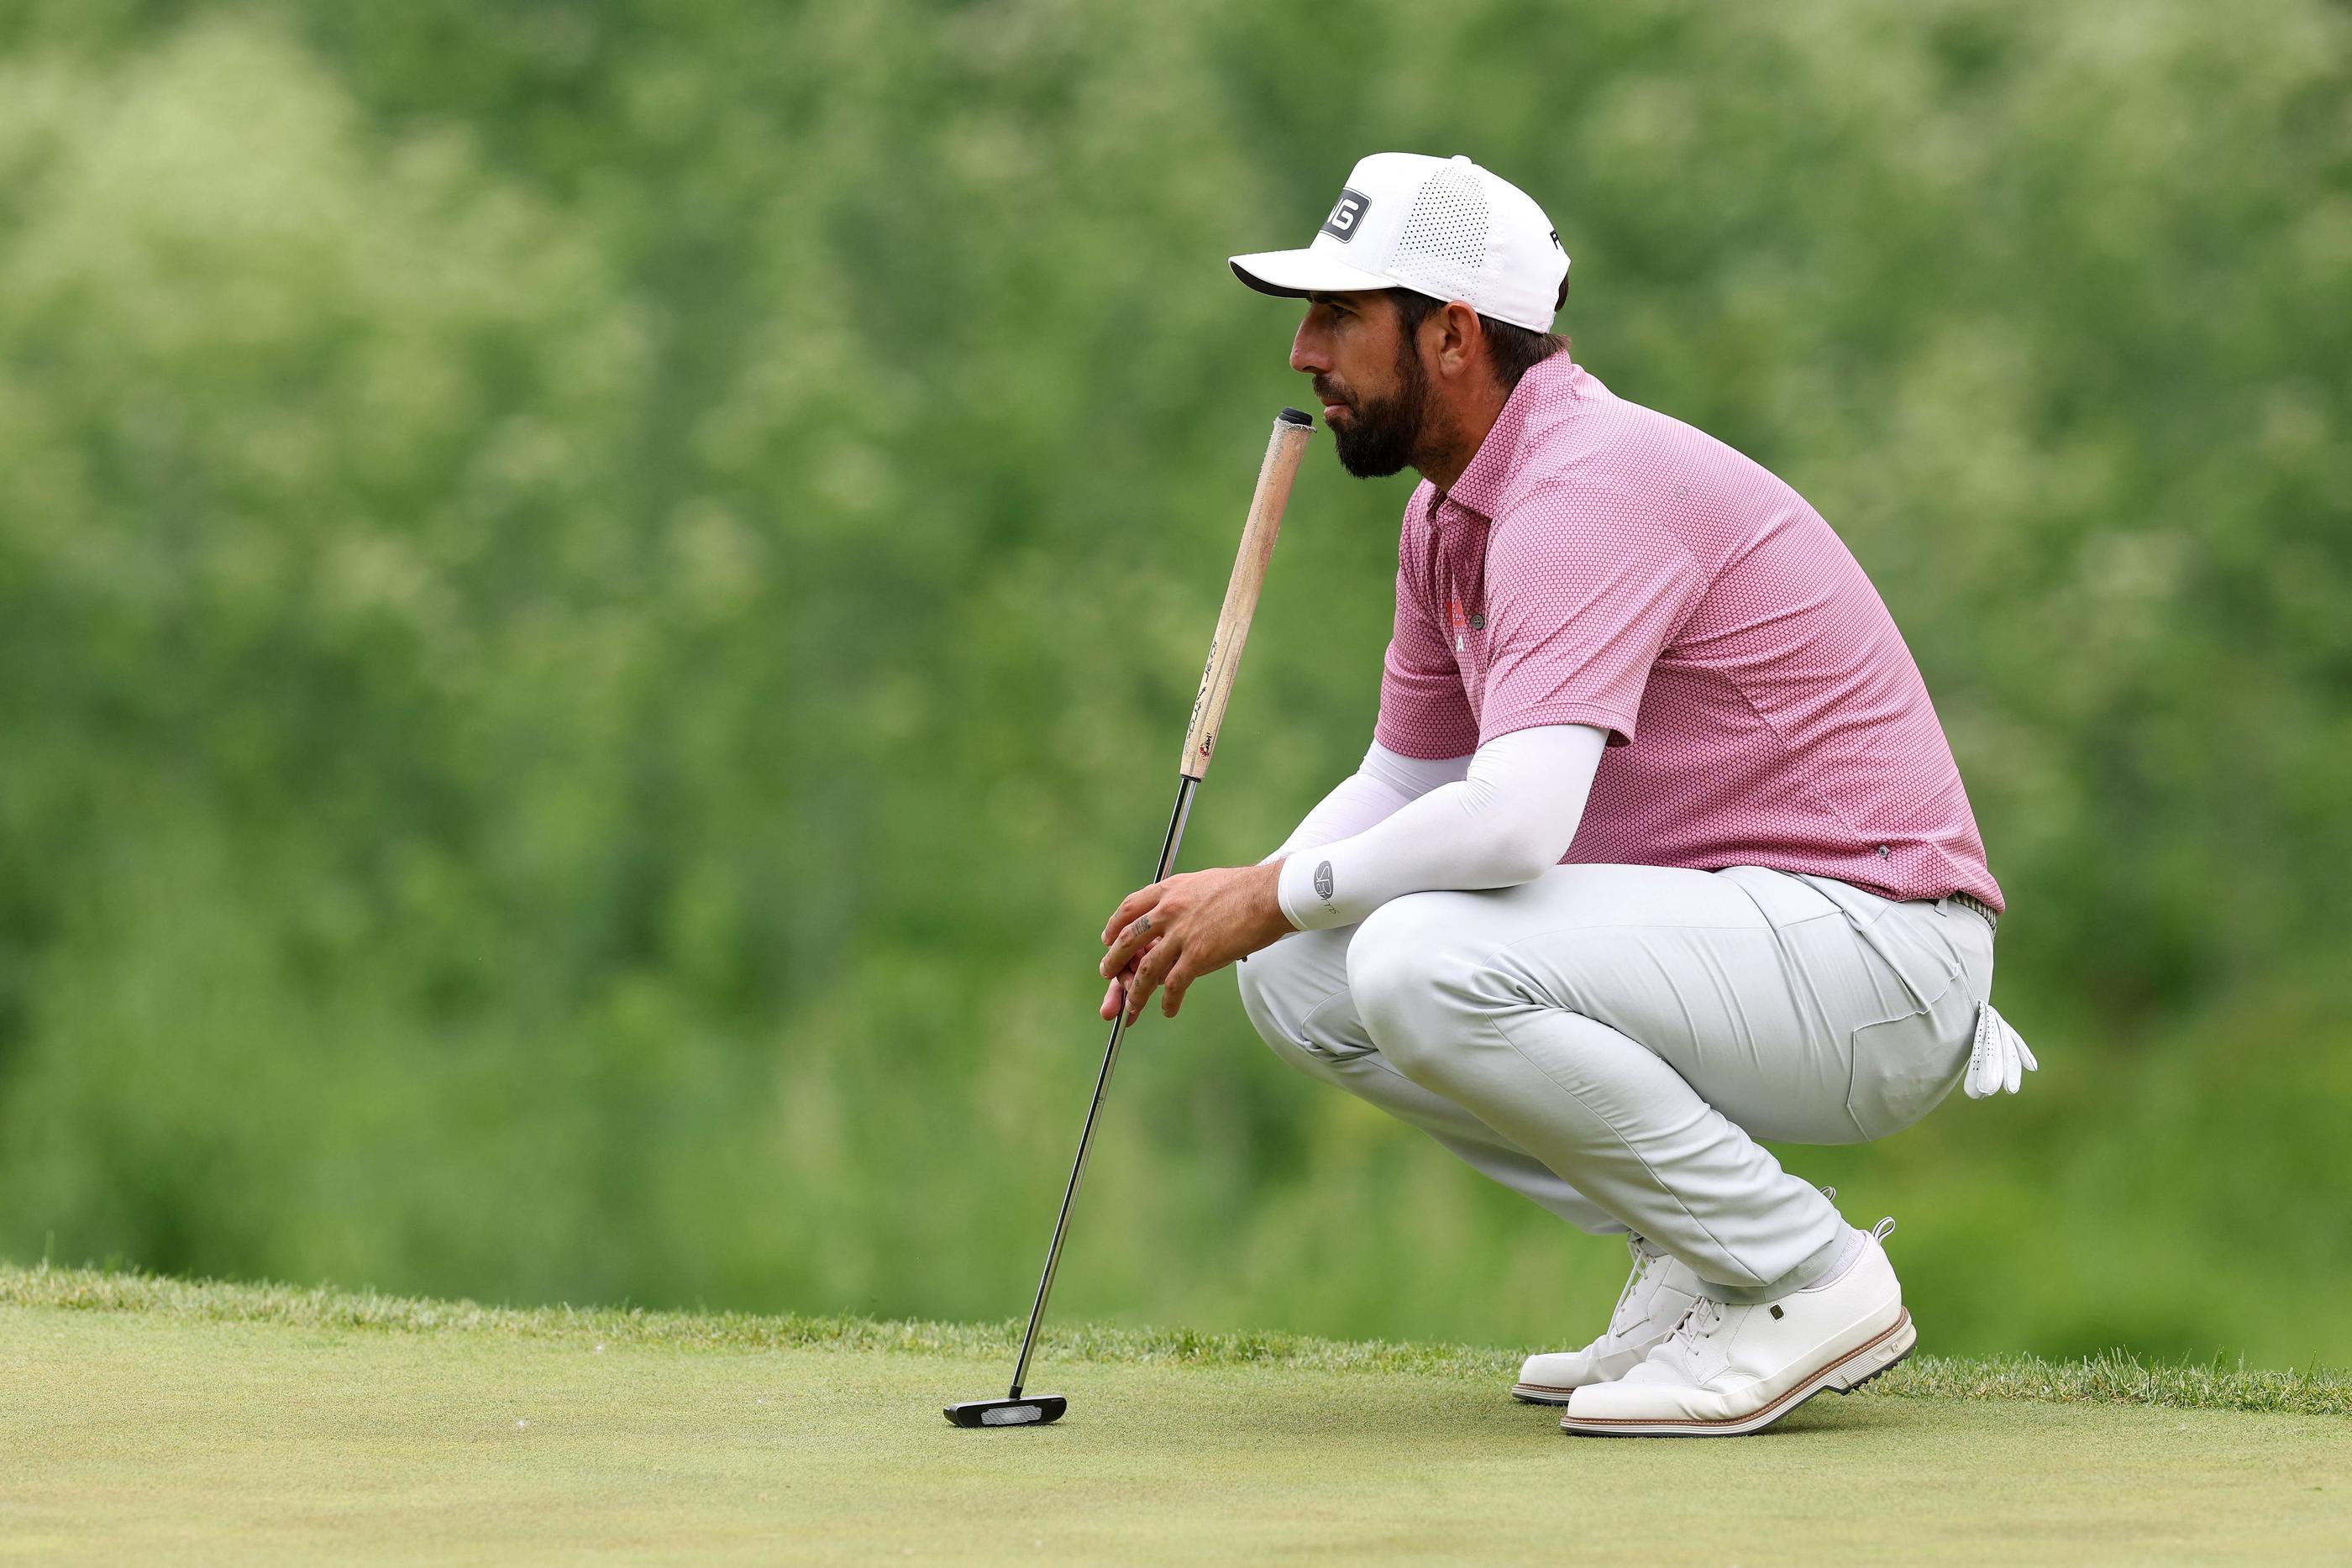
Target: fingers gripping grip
(1292, 430)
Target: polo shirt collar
(1483, 484)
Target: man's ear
(1460, 338)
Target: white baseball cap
(1440, 227)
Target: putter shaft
(1184, 789)
(1284, 447)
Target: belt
(1969, 901)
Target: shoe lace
(1680, 1349)
(1642, 1261)
(1705, 1315)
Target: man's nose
(1307, 350)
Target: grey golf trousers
(1610, 1041)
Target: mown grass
(2113, 1378)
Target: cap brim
(1295, 274)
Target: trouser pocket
(1892, 991)
(1903, 1067)
(1909, 940)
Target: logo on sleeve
(1323, 872)
(1347, 215)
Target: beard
(1383, 435)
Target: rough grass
(2114, 1378)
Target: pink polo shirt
(1600, 563)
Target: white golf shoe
(1656, 1295)
(1732, 1368)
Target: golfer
(1658, 849)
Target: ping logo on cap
(1347, 215)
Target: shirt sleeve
(1585, 584)
(1382, 783)
(1508, 822)
(1425, 712)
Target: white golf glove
(2000, 1060)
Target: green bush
(595, 602)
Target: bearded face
(1381, 435)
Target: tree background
(597, 600)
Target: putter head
(1033, 1411)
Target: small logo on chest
(1464, 624)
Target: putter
(1289, 443)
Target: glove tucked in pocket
(1999, 1061)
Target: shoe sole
(1843, 1375)
(1539, 1393)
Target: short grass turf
(144, 1419)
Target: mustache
(1327, 392)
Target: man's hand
(1169, 935)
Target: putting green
(206, 1423)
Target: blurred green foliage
(595, 601)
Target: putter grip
(1292, 430)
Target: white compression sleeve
(1508, 822)
(1385, 782)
